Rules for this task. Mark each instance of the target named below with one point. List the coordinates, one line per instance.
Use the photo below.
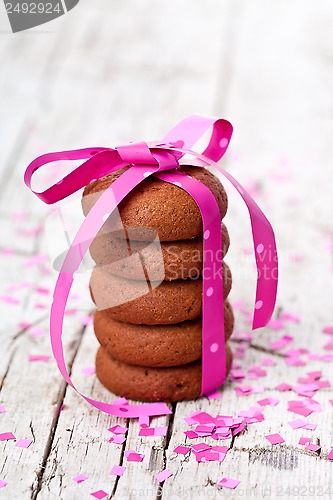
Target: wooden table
(111, 72)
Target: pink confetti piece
(227, 482)
(181, 450)
(312, 447)
(117, 470)
(24, 325)
(268, 361)
(282, 342)
(88, 370)
(290, 317)
(42, 291)
(163, 475)
(36, 332)
(99, 494)
(23, 443)
(283, 387)
(276, 324)
(153, 431)
(268, 401)
(80, 478)
(118, 429)
(133, 456)
(86, 320)
(213, 395)
(304, 440)
(6, 436)
(310, 427)
(328, 329)
(275, 438)
(330, 455)
(2, 409)
(38, 357)
(297, 424)
(117, 440)
(8, 252)
(2, 483)
(9, 300)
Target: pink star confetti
(163, 475)
(23, 443)
(6, 436)
(80, 478)
(117, 470)
(227, 482)
(275, 438)
(99, 494)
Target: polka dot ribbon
(161, 159)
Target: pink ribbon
(162, 161)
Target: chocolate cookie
(140, 302)
(156, 345)
(158, 207)
(170, 384)
(158, 260)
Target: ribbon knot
(141, 153)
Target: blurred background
(110, 72)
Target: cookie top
(150, 303)
(176, 383)
(154, 345)
(164, 260)
(158, 208)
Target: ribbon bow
(161, 159)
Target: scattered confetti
(118, 429)
(80, 478)
(6, 436)
(23, 443)
(117, 470)
(38, 357)
(182, 450)
(275, 438)
(99, 494)
(228, 483)
(2, 483)
(312, 447)
(133, 456)
(163, 475)
(153, 431)
(88, 370)
(117, 440)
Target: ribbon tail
(105, 205)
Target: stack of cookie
(147, 287)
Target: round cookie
(139, 302)
(170, 384)
(158, 260)
(155, 345)
(156, 206)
